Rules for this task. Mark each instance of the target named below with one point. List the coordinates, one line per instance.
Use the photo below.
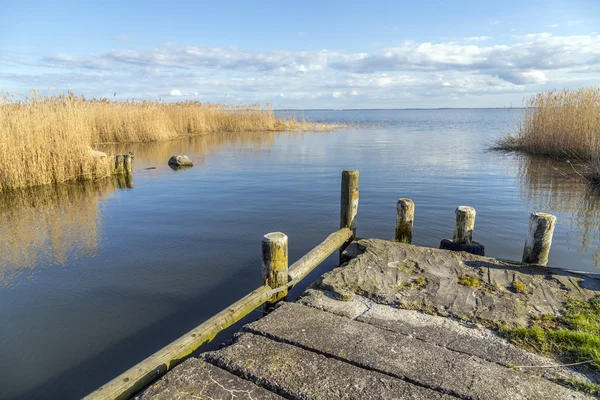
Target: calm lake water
(96, 277)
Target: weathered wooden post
(405, 214)
(275, 264)
(539, 238)
(119, 164)
(349, 205)
(464, 224)
(127, 163)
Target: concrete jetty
(396, 321)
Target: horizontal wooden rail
(316, 256)
(141, 375)
(278, 278)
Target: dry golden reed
(563, 124)
(47, 139)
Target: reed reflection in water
(148, 155)
(46, 225)
(557, 187)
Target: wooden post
(127, 163)
(405, 214)
(275, 264)
(464, 225)
(539, 238)
(349, 205)
(119, 164)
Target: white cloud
(430, 71)
(477, 38)
(577, 22)
(554, 26)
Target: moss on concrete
(469, 281)
(416, 283)
(520, 287)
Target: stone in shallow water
(180, 161)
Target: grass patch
(563, 124)
(47, 139)
(585, 387)
(469, 281)
(520, 287)
(574, 336)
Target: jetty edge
(362, 287)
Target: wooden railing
(277, 277)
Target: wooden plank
(141, 375)
(316, 256)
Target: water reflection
(558, 187)
(50, 225)
(148, 155)
(46, 225)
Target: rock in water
(97, 154)
(180, 161)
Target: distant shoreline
(399, 109)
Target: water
(95, 277)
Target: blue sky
(326, 54)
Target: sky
(305, 55)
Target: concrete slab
(300, 374)
(414, 277)
(197, 379)
(426, 364)
(463, 337)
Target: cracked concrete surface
(394, 322)
(196, 379)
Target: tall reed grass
(563, 124)
(47, 139)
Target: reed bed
(563, 124)
(47, 139)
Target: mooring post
(349, 205)
(127, 163)
(464, 225)
(463, 233)
(275, 264)
(405, 214)
(119, 164)
(539, 238)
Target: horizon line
(398, 109)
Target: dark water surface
(95, 277)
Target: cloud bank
(411, 73)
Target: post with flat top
(464, 225)
(275, 264)
(405, 214)
(119, 164)
(539, 238)
(349, 205)
(127, 163)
